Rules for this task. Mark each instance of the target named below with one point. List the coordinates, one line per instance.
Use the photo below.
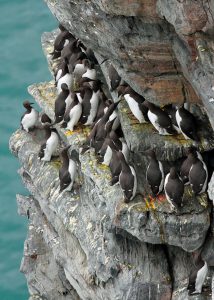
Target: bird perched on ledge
(174, 189)
(197, 275)
(67, 172)
(187, 123)
(61, 41)
(198, 174)
(49, 147)
(159, 119)
(127, 179)
(44, 119)
(60, 104)
(135, 102)
(72, 114)
(154, 173)
(30, 117)
(187, 164)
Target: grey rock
(78, 224)
(89, 244)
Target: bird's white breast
(90, 73)
(30, 119)
(107, 156)
(201, 276)
(135, 182)
(67, 78)
(75, 114)
(94, 106)
(134, 107)
(51, 146)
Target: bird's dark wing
(164, 120)
(199, 180)
(65, 180)
(154, 175)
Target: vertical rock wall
(89, 244)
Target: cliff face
(89, 244)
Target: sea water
(22, 63)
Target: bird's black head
(192, 156)
(148, 104)
(27, 105)
(191, 149)
(173, 173)
(45, 118)
(96, 85)
(64, 87)
(121, 90)
(88, 64)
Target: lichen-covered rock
(101, 258)
(159, 226)
(89, 244)
(45, 276)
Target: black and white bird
(72, 114)
(115, 119)
(63, 77)
(187, 123)
(115, 165)
(76, 64)
(67, 171)
(155, 173)
(102, 128)
(44, 119)
(112, 140)
(99, 131)
(60, 104)
(50, 145)
(159, 119)
(79, 67)
(127, 179)
(30, 117)
(90, 73)
(198, 174)
(187, 164)
(115, 79)
(174, 189)
(104, 103)
(61, 41)
(135, 103)
(198, 274)
(60, 70)
(89, 53)
(170, 109)
(90, 102)
(70, 49)
(120, 143)
(105, 153)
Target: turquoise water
(22, 63)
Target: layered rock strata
(89, 244)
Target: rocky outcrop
(163, 50)
(89, 244)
